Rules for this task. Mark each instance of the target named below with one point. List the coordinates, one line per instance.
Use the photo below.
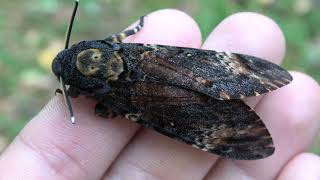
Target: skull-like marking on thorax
(114, 67)
(95, 62)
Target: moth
(192, 95)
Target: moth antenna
(64, 88)
(71, 24)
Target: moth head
(92, 59)
(60, 63)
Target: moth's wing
(220, 75)
(227, 128)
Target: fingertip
(301, 77)
(291, 114)
(248, 33)
(168, 27)
(296, 105)
(301, 97)
(304, 93)
(302, 166)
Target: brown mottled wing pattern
(220, 75)
(227, 128)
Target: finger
(144, 154)
(154, 156)
(251, 34)
(302, 166)
(291, 115)
(168, 27)
(248, 33)
(49, 146)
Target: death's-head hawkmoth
(191, 95)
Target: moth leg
(73, 92)
(58, 91)
(105, 107)
(117, 38)
(101, 92)
(104, 111)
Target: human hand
(50, 147)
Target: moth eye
(95, 57)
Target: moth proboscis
(191, 95)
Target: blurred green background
(32, 32)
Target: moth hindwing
(191, 95)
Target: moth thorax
(114, 67)
(98, 63)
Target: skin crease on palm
(50, 147)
